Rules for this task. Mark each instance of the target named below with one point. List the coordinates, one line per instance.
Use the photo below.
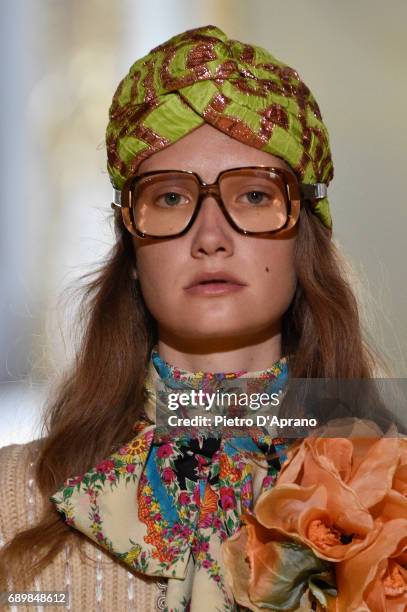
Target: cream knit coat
(96, 583)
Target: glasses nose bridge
(209, 190)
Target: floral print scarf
(164, 504)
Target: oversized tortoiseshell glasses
(254, 200)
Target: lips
(220, 277)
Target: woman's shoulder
(12, 456)
(19, 498)
(16, 466)
(89, 574)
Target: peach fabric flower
(331, 489)
(356, 452)
(343, 495)
(327, 517)
(266, 571)
(377, 576)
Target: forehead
(208, 151)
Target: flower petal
(291, 508)
(357, 576)
(393, 506)
(374, 476)
(338, 452)
(292, 466)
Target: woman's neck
(251, 354)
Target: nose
(211, 233)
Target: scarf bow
(164, 504)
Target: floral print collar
(164, 376)
(164, 506)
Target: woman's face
(264, 266)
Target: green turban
(201, 76)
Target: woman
(234, 281)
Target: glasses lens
(256, 199)
(164, 203)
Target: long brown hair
(99, 399)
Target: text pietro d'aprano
(211, 401)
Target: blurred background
(61, 64)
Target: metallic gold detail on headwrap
(247, 54)
(225, 70)
(203, 76)
(276, 114)
(199, 55)
(219, 102)
(234, 127)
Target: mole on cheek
(267, 270)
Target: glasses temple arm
(315, 191)
(117, 199)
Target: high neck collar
(160, 372)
